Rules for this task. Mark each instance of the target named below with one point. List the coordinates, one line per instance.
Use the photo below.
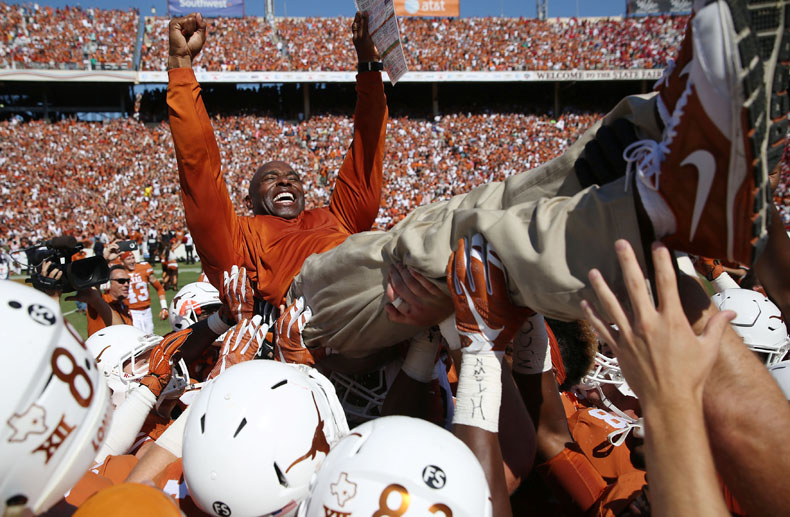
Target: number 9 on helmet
(55, 409)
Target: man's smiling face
(276, 189)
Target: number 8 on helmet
(55, 409)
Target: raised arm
(210, 215)
(355, 201)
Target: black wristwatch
(370, 66)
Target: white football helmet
(255, 436)
(367, 473)
(55, 409)
(781, 374)
(606, 370)
(190, 302)
(759, 322)
(116, 347)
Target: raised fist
(363, 43)
(485, 317)
(187, 36)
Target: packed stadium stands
(441, 44)
(99, 187)
(75, 38)
(36, 36)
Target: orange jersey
(95, 323)
(113, 471)
(139, 296)
(271, 248)
(590, 428)
(615, 500)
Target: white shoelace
(664, 79)
(645, 156)
(618, 436)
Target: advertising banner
(208, 8)
(427, 7)
(658, 6)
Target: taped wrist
(127, 420)
(531, 348)
(421, 357)
(722, 282)
(216, 325)
(479, 392)
(172, 440)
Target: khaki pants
(547, 230)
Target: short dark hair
(117, 266)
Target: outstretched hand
(366, 50)
(485, 317)
(237, 295)
(661, 357)
(187, 36)
(160, 362)
(241, 343)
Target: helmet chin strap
(618, 436)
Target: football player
(139, 300)
(55, 407)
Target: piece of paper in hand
(383, 27)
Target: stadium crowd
(439, 44)
(36, 36)
(536, 336)
(99, 190)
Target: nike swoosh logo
(706, 169)
(487, 335)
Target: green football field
(186, 275)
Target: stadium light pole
(543, 9)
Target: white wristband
(531, 348)
(216, 325)
(127, 420)
(162, 304)
(420, 358)
(723, 281)
(172, 439)
(450, 332)
(479, 393)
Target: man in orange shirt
(114, 311)
(140, 275)
(282, 234)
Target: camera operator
(103, 310)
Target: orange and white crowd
(35, 36)
(79, 182)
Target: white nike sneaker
(711, 161)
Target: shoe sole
(753, 80)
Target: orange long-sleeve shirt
(271, 248)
